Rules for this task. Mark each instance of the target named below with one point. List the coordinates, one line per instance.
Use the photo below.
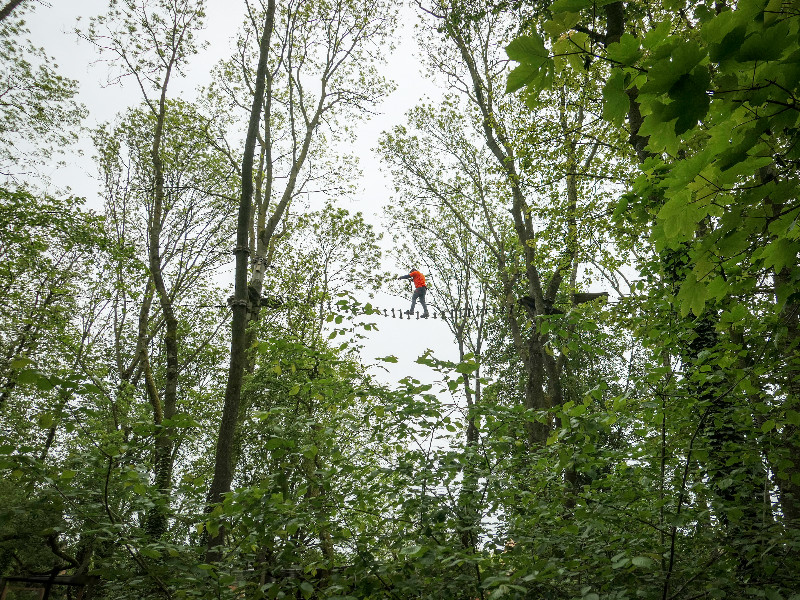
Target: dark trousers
(419, 293)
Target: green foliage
(535, 68)
(38, 112)
(48, 247)
(146, 40)
(712, 124)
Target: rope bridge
(276, 302)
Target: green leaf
(563, 53)
(666, 72)
(466, 367)
(718, 288)
(679, 216)
(728, 46)
(273, 590)
(772, 11)
(772, 594)
(690, 99)
(212, 527)
(661, 132)
(560, 23)
(579, 43)
(43, 384)
(733, 243)
(642, 561)
(536, 66)
(656, 35)
(768, 426)
(90, 388)
(527, 49)
(692, 296)
(619, 563)
(307, 589)
(521, 76)
(780, 253)
(615, 101)
(626, 50)
(21, 362)
(715, 30)
(274, 444)
(764, 45)
(150, 552)
(27, 376)
(577, 410)
(569, 5)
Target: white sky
(52, 28)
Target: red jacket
(419, 279)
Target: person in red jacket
(419, 291)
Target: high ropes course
(344, 308)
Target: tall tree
(196, 226)
(169, 27)
(325, 255)
(319, 79)
(312, 75)
(475, 71)
(223, 461)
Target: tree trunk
(788, 475)
(223, 460)
(8, 8)
(156, 522)
(532, 350)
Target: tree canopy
(603, 199)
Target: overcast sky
(52, 27)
